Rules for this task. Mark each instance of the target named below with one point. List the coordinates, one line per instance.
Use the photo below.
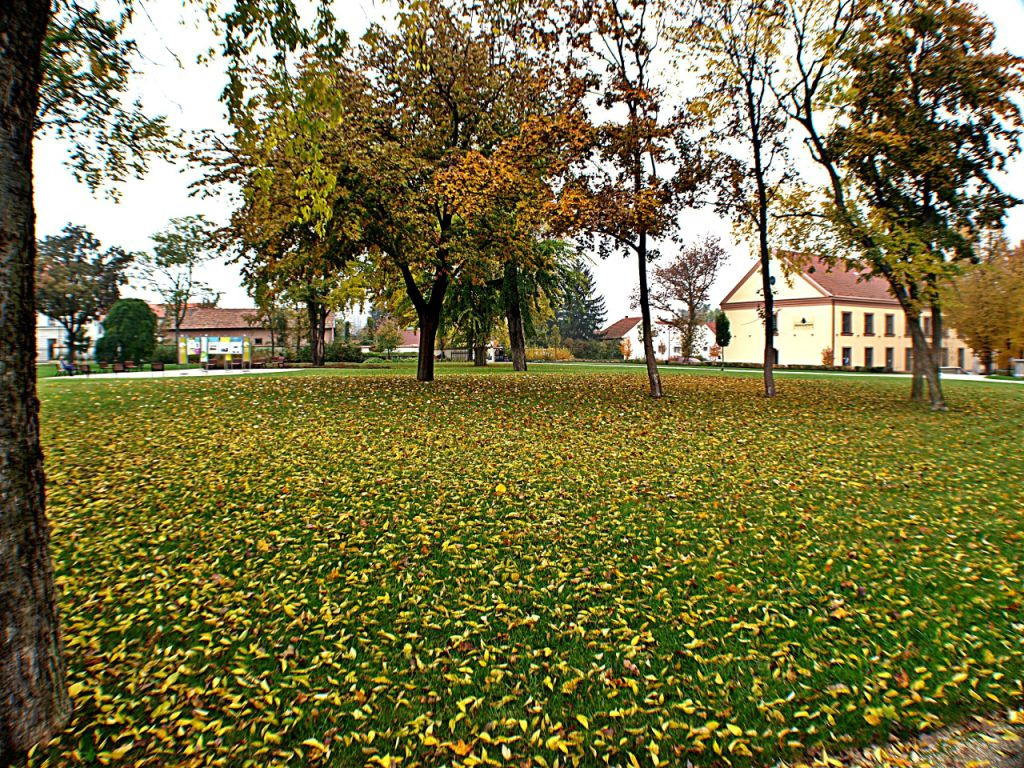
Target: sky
(172, 83)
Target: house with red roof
(828, 315)
(202, 320)
(628, 333)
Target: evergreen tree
(581, 311)
(129, 332)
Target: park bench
(156, 366)
(118, 368)
(83, 368)
(104, 367)
(950, 369)
(65, 368)
(129, 365)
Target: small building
(224, 321)
(829, 315)
(52, 339)
(628, 334)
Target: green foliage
(581, 312)
(182, 248)
(594, 349)
(87, 67)
(76, 282)
(342, 351)
(592, 583)
(723, 333)
(129, 332)
(387, 336)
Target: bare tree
(682, 287)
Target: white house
(52, 339)
(628, 333)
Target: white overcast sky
(171, 83)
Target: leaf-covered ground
(540, 570)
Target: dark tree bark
(430, 320)
(34, 703)
(514, 317)
(480, 355)
(429, 313)
(645, 317)
(317, 314)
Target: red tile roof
(840, 282)
(410, 339)
(216, 318)
(619, 328)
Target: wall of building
(805, 333)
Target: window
(909, 363)
(890, 325)
(928, 326)
(945, 357)
(847, 323)
(960, 358)
(258, 340)
(869, 357)
(869, 323)
(890, 358)
(906, 327)
(847, 357)
(775, 323)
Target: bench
(156, 366)
(83, 368)
(950, 369)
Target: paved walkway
(782, 371)
(173, 374)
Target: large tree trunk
(480, 355)
(317, 314)
(926, 369)
(33, 699)
(430, 319)
(514, 318)
(645, 318)
(938, 402)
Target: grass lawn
(548, 569)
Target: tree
(129, 332)
(34, 702)
(986, 300)
(908, 110)
(629, 198)
(739, 40)
(170, 269)
(76, 282)
(65, 69)
(683, 285)
(387, 337)
(723, 334)
(581, 312)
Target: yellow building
(829, 316)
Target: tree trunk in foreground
(34, 703)
(514, 318)
(645, 316)
(926, 370)
(430, 319)
(480, 355)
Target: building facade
(52, 339)
(628, 333)
(827, 315)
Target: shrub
(548, 354)
(594, 349)
(165, 353)
(342, 352)
(129, 332)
